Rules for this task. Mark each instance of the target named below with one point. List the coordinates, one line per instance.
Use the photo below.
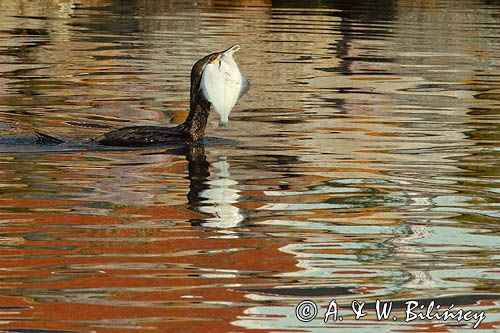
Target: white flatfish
(222, 84)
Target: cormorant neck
(196, 122)
(199, 107)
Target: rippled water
(361, 165)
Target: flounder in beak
(222, 83)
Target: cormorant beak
(231, 50)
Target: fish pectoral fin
(245, 86)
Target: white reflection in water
(221, 197)
(419, 279)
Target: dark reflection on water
(362, 165)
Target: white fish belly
(221, 85)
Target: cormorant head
(226, 55)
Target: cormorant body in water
(215, 81)
(222, 86)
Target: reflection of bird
(220, 197)
(216, 80)
(215, 197)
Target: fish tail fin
(224, 122)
